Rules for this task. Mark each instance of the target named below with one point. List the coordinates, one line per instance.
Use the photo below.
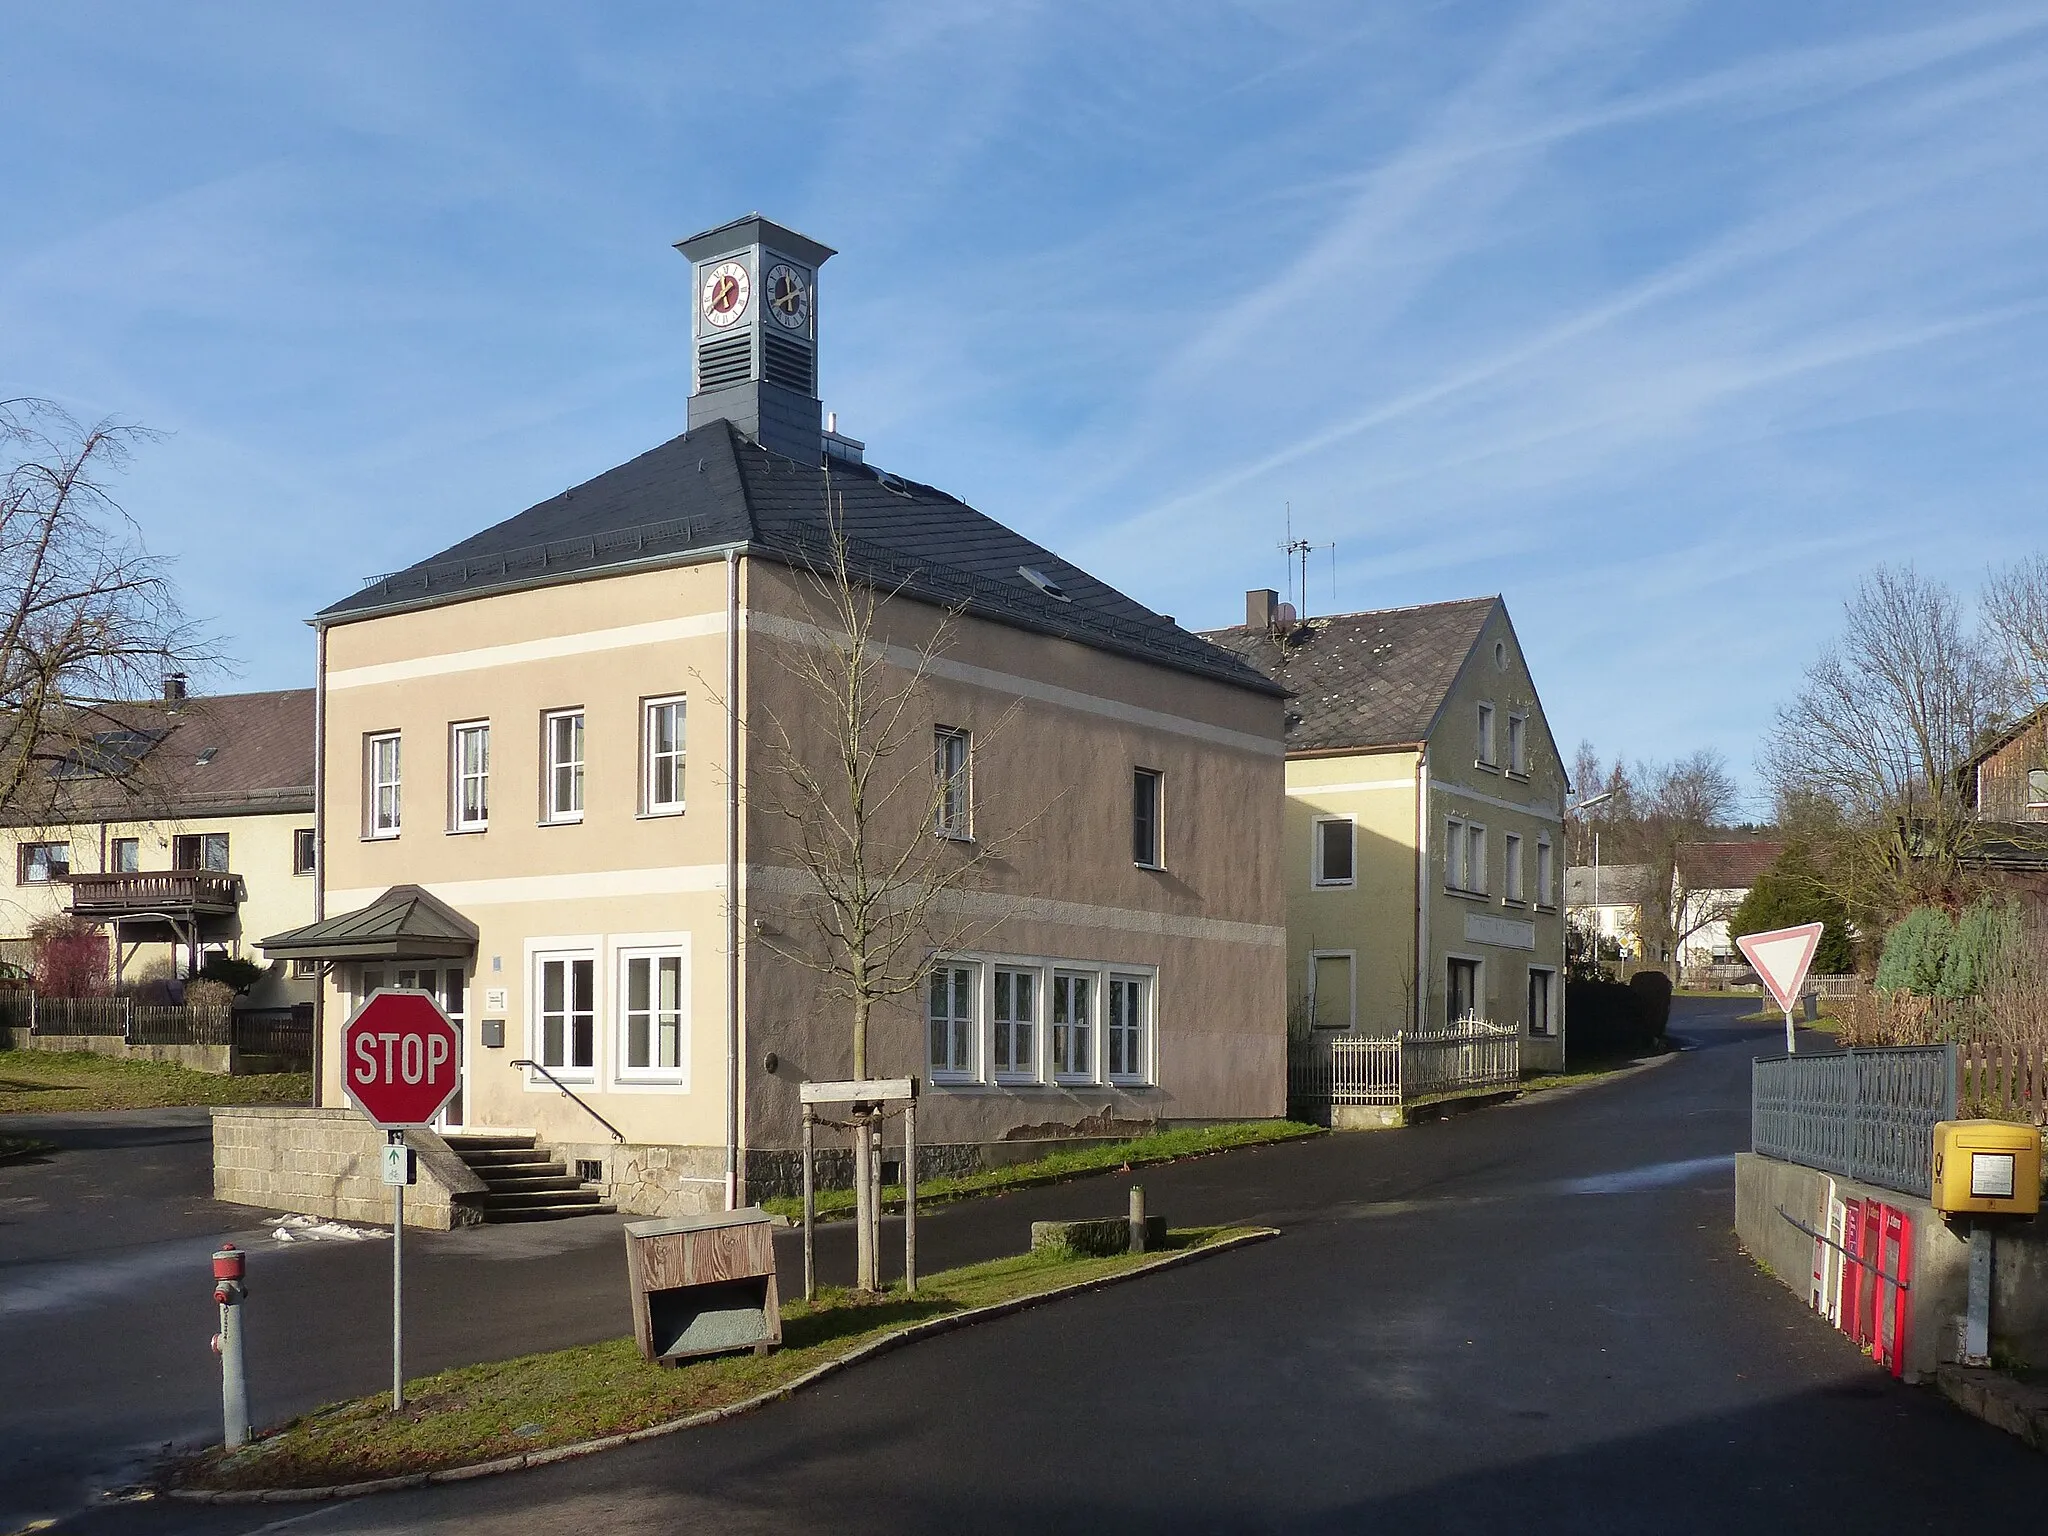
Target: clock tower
(754, 335)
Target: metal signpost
(1781, 958)
(399, 1056)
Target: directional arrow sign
(1781, 958)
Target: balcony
(174, 893)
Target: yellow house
(544, 764)
(1425, 807)
(184, 827)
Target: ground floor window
(1461, 990)
(565, 1023)
(1016, 1014)
(1542, 996)
(1073, 1026)
(1123, 1036)
(1019, 1021)
(652, 984)
(950, 1017)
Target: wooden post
(810, 1209)
(910, 1197)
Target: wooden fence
(1998, 1080)
(280, 1032)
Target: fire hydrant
(228, 1292)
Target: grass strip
(479, 1413)
(1055, 1167)
(46, 1082)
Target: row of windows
(562, 764)
(1333, 992)
(43, 863)
(953, 798)
(1024, 1021)
(648, 1016)
(1518, 742)
(1335, 860)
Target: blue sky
(1664, 320)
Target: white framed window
(1518, 745)
(1511, 867)
(305, 970)
(1127, 1028)
(1454, 853)
(1475, 858)
(469, 787)
(1464, 856)
(303, 851)
(1073, 1026)
(1486, 756)
(1542, 1001)
(953, 795)
(381, 794)
(1332, 988)
(662, 736)
(1014, 1015)
(1545, 874)
(950, 1000)
(1148, 803)
(654, 1014)
(564, 1013)
(2037, 787)
(562, 776)
(1335, 849)
(1464, 994)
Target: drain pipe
(732, 878)
(319, 844)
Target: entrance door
(450, 989)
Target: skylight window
(1043, 582)
(108, 754)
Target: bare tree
(88, 618)
(1687, 800)
(1875, 736)
(861, 810)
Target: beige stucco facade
(1057, 726)
(1458, 861)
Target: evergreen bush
(1985, 950)
(1916, 952)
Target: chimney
(1259, 607)
(174, 691)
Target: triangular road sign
(1781, 958)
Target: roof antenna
(1301, 548)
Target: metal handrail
(617, 1134)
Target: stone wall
(222, 1060)
(1939, 1292)
(328, 1162)
(652, 1180)
(772, 1172)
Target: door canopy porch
(405, 923)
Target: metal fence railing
(1330, 1069)
(1867, 1115)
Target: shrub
(204, 993)
(1916, 952)
(237, 975)
(68, 958)
(1985, 950)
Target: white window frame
(1475, 858)
(1147, 1031)
(1546, 873)
(650, 756)
(1091, 1023)
(1315, 1012)
(1518, 744)
(959, 1030)
(1455, 852)
(1478, 963)
(553, 812)
(1316, 875)
(460, 776)
(1157, 777)
(953, 793)
(1485, 757)
(302, 837)
(376, 826)
(566, 950)
(2037, 796)
(652, 948)
(1012, 1065)
(1511, 868)
(1549, 977)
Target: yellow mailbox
(1987, 1166)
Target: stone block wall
(650, 1180)
(328, 1162)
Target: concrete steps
(525, 1181)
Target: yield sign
(1781, 958)
(398, 1058)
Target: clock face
(724, 298)
(789, 296)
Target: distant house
(2006, 786)
(183, 827)
(1607, 901)
(1425, 806)
(1708, 883)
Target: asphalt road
(1533, 1318)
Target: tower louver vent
(724, 360)
(787, 362)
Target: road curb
(523, 1460)
(2017, 1408)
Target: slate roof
(1621, 885)
(1364, 679)
(713, 488)
(405, 923)
(212, 755)
(1725, 866)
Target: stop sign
(398, 1058)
